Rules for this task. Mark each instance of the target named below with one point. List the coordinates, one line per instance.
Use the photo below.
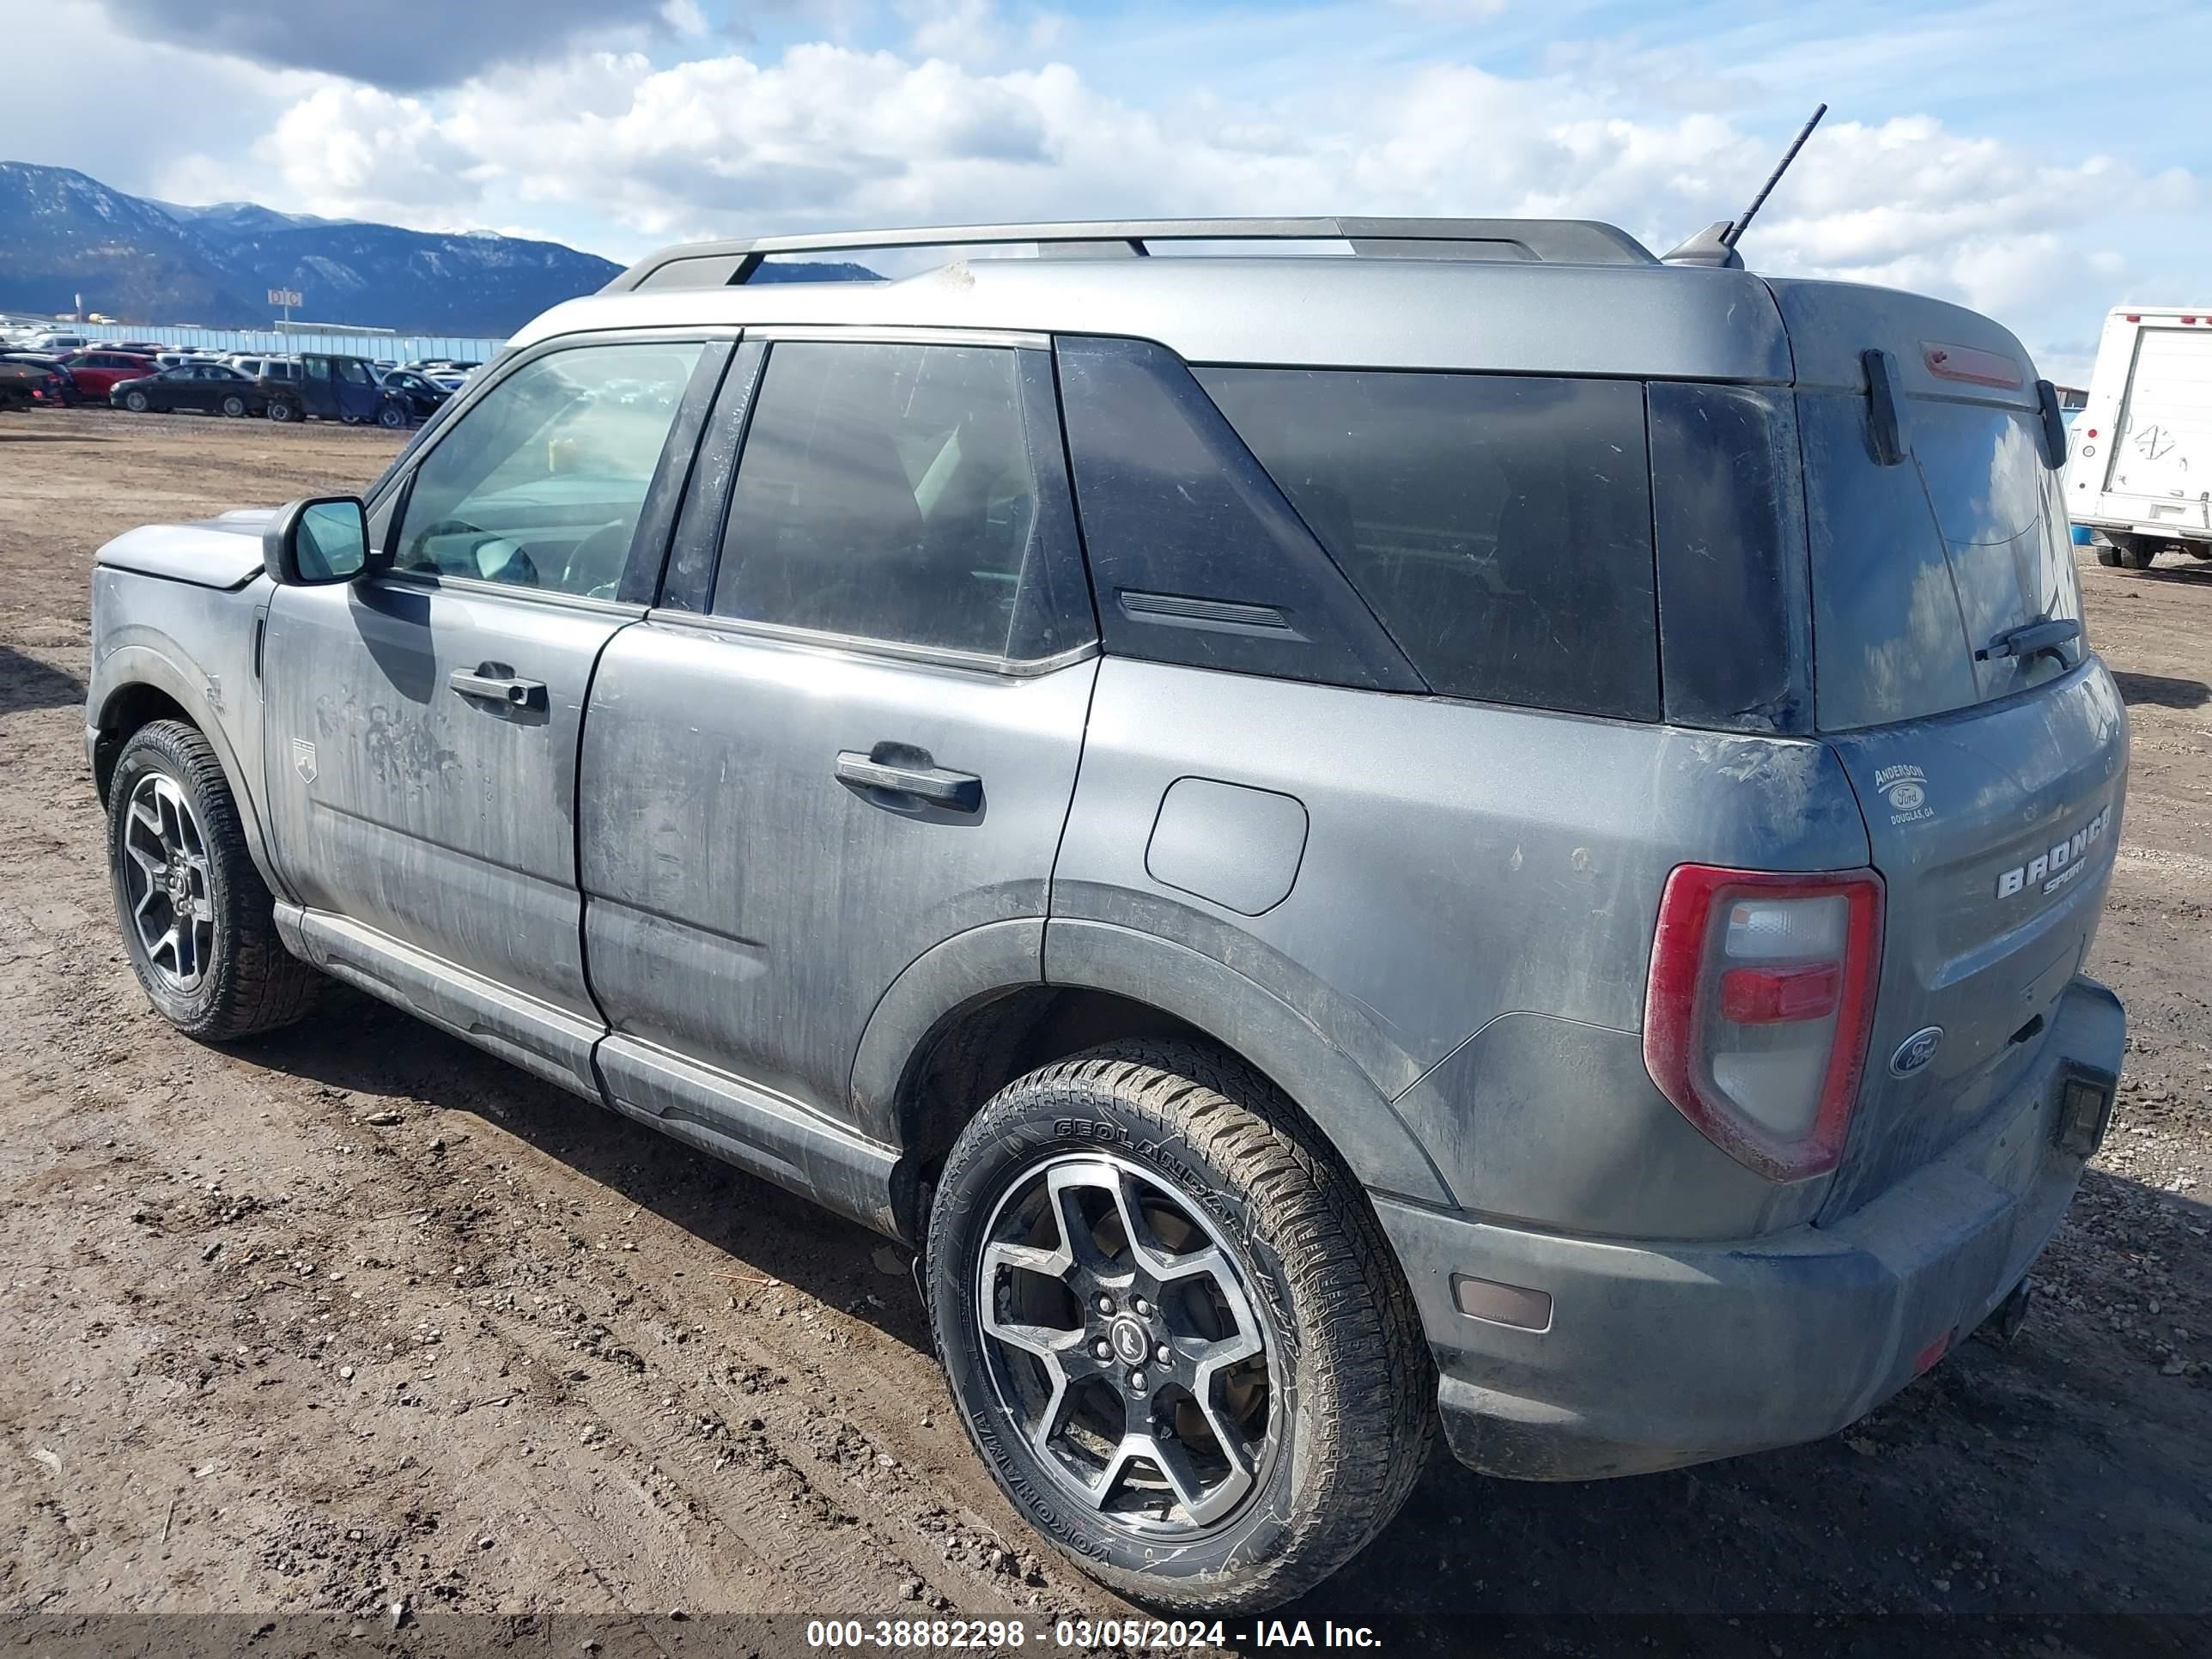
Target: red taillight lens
(1775, 996)
(1761, 998)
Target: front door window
(542, 484)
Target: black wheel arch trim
(999, 957)
(129, 666)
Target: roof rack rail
(1565, 241)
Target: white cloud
(356, 152)
(832, 136)
(684, 17)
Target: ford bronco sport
(1492, 832)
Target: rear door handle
(959, 792)
(487, 682)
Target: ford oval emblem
(1916, 1051)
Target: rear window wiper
(2031, 640)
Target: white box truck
(2141, 473)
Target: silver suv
(1476, 828)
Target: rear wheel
(135, 402)
(235, 406)
(2107, 554)
(198, 922)
(1174, 1329)
(2135, 553)
(281, 410)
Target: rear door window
(1919, 567)
(1500, 527)
(909, 494)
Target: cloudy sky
(2040, 160)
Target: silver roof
(1634, 317)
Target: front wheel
(1174, 1328)
(392, 417)
(135, 402)
(198, 922)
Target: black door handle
(888, 768)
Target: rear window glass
(1919, 565)
(1499, 525)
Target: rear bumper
(1660, 1354)
(2162, 530)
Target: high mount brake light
(1759, 1007)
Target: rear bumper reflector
(1501, 1303)
(2085, 1112)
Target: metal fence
(399, 347)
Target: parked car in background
(212, 388)
(98, 371)
(24, 383)
(50, 340)
(418, 395)
(58, 389)
(330, 387)
(274, 368)
(447, 372)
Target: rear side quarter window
(1499, 525)
(1196, 557)
(1729, 508)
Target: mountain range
(63, 233)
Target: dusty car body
(1595, 763)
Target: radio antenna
(1735, 231)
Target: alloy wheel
(165, 881)
(1120, 1335)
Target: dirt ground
(356, 1317)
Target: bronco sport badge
(2057, 864)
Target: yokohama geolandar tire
(1175, 1330)
(197, 921)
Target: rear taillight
(1756, 1018)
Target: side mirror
(319, 541)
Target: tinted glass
(1917, 566)
(905, 492)
(1499, 525)
(542, 484)
(1195, 555)
(353, 371)
(1729, 510)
